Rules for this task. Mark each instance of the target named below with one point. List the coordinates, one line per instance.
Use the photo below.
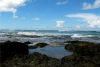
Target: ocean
(56, 39)
(92, 36)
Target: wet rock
(76, 61)
(34, 60)
(85, 54)
(27, 42)
(82, 43)
(31, 36)
(39, 45)
(9, 49)
(83, 48)
(33, 47)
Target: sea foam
(79, 36)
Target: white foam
(2, 33)
(63, 30)
(79, 36)
(39, 34)
(27, 33)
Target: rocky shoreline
(85, 54)
(15, 54)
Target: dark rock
(33, 47)
(9, 49)
(40, 45)
(82, 43)
(34, 60)
(85, 54)
(83, 48)
(31, 36)
(27, 42)
(69, 47)
(76, 61)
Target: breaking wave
(39, 34)
(79, 36)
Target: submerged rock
(9, 49)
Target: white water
(39, 34)
(79, 36)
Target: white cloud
(11, 6)
(61, 3)
(78, 26)
(59, 23)
(92, 20)
(36, 19)
(87, 6)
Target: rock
(76, 61)
(83, 48)
(31, 36)
(34, 60)
(69, 47)
(9, 49)
(85, 54)
(27, 42)
(82, 43)
(40, 45)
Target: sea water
(56, 39)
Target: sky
(50, 14)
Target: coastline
(50, 49)
(85, 54)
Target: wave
(79, 36)
(2, 33)
(27, 33)
(39, 34)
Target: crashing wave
(79, 36)
(39, 34)
(27, 33)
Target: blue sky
(50, 14)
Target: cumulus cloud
(59, 23)
(36, 19)
(87, 6)
(78, 26)
(61, 3)
(11, 6)
(92, 20)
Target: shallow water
(55, 52)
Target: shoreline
(82, 54)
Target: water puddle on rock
(52, 51)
